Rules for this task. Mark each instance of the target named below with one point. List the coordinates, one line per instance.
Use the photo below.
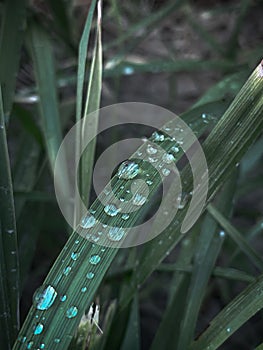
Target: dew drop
(128, 170)
(88, 221)
(72, 312)
(66, 270)
(175, 149)
(168, 158)
(39, 328)
(57, 340)
(63, 298)
(42, 346)
(74, 256)
(152, 160)
(10, 232)
(29, 345)
(95, 259)
(111, 210)
(125, 216)
(139, 199)
(149, 182)
(83, 290)
(228, 330)
(222, 233)
(128, 70)
(158, 137)
(44, 297)
(116, 234)
(165, 172)
(90, 275)
(151, 150)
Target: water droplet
(228, 330)
(128, 170)
(139, 199)
(95, 259)
(77, 241)
(175, 149)
(29, 345)
(72, 312)
(88, 221)
(39, 328)
(152, 160)
(74, 256)
(42, 346)
(63, 298)
(183, 199)
(222, 233)
(90, 275)
(44, 297)
(168, 158)
(111, 210)
(57, 340)
(151, 150)
(158, 137)
(125, 216)
(166, 172)
(128, 70)
(84, 289)
(66, 270)
(116, 234)
(149, 182)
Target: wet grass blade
(232, 317)
(13, 23)
(9, 295)
(223, 149)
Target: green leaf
(9, 281)
(232, 317)
(13, 23)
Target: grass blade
(237, 312)
(9, 313)
(12, 34)
(92, 104)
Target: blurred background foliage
(175, 54)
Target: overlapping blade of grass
(91, 120)
(13, 22)
(9, 293)
(232, 317)
(48, 106)
(242, 121)
(132, 337)
(239, 239)
(207, 251)
(223, 150)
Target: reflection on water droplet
(125, 216)
(158, 137)
(66, 270)
(166, 172)
(29, 345)
(63, 298)
(44, 297)
(88, 221)
(39, 328)
(42, 346)
(152, 160)
(95, 259)
(128, 70)
(111, 210)
(84, 289)
(90, 275)
(151, 150)
(175, 149)
(116, 234)
(74, 256)
(57, 340)
(168, 158)
(72, 312)
(139, 199)
(149, 182)
(128, 170)
(228, 330)
(10, 232)
(222, 233)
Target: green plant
(231, 134)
